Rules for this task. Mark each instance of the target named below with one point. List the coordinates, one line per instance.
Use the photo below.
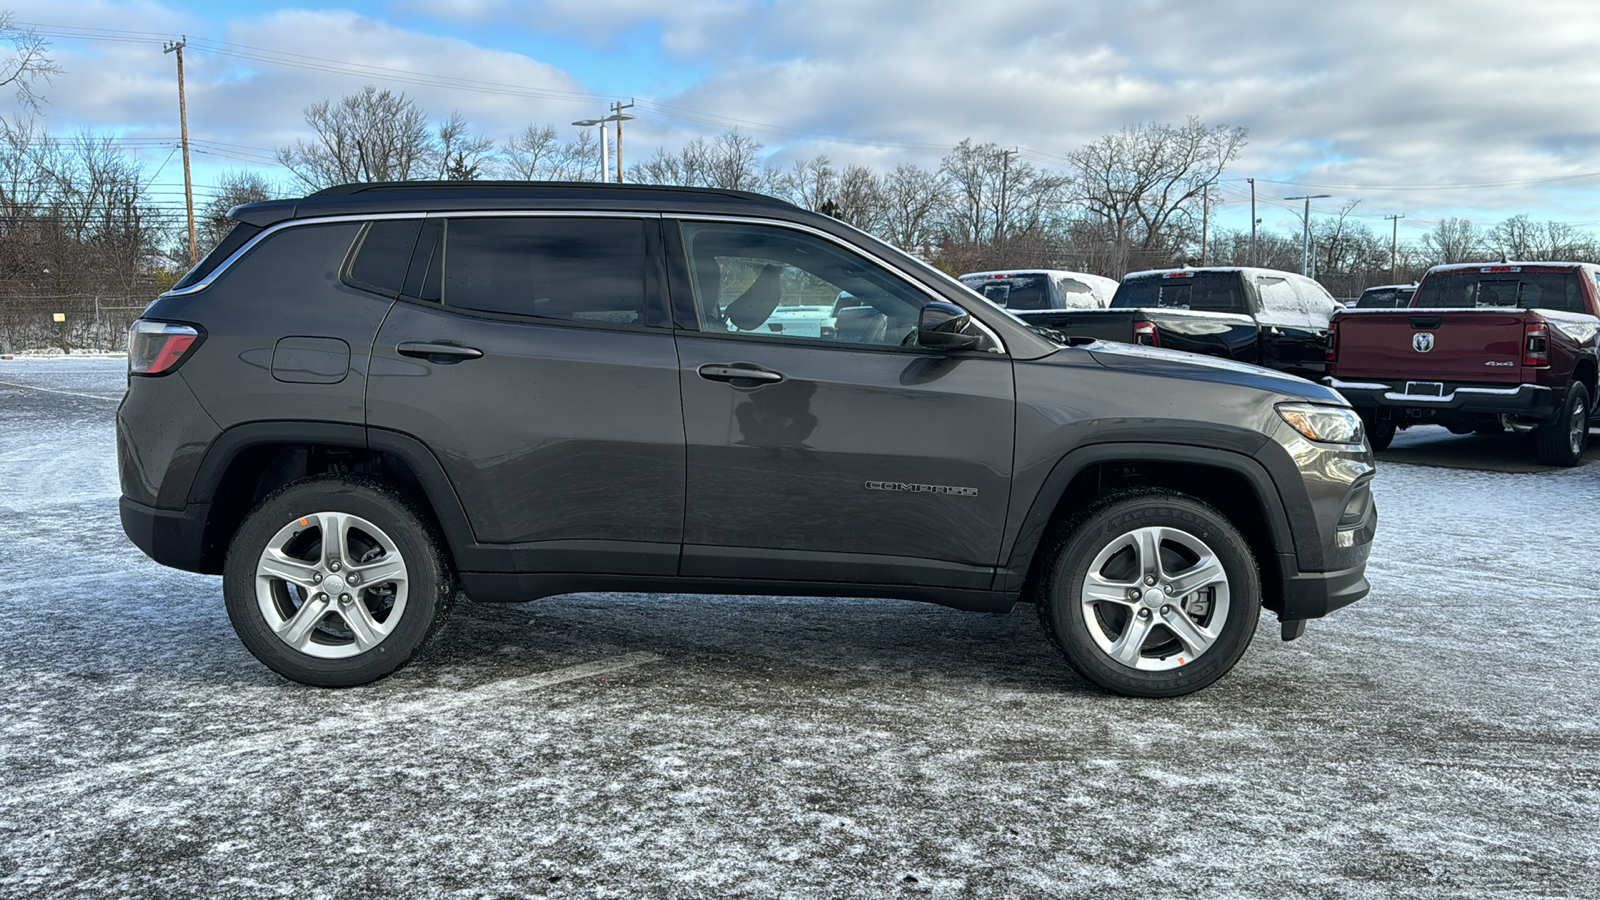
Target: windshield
(1501, 286)
(1208, 291)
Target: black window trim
(675, 219)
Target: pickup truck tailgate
(1453, 345)
(1101, 324)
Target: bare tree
(28, 62)
(1519, 237)
(1453, 240)
(809, 183)
(461, 157)
(370, 136)
(735, 162)
(858, 200)
(537, 154)
(912, 198)
(234, 188)
(1145, 180)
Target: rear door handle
(440, 353)
(736, 372)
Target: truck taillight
(156, 348)
(1536, 344)
(1145, 333)
(1332, 353)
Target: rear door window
(577, 269)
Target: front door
(839, 453)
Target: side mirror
(944, 326)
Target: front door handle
(444, 354)
(734, 373)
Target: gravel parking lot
(1441, 738)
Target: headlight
(1328, 424)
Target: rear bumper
(172, 537)
(1534, 401)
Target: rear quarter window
(379, 257)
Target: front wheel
(1562, 441)
(1151, 594)
(336, 581)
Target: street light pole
(605, 154)
(1305, 240)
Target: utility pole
(1205, 224)
(617, 109)
(183, 125)
(999, 220)
(1394, 247)
(1305, 240)
(1253, 220)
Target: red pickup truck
(1482, 347)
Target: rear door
(534, 356)
(858, 457)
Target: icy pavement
(1440, 738)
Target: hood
(1193, 367)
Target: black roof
(439, 196)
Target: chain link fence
(91, 321)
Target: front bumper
(1534, 401)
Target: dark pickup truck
(1483, 347)
(1261, 316)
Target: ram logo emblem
(1422, 341)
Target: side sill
(505, 587)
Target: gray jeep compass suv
(369, 402)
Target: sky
(1428, 109)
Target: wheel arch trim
(440, 494)
(1047, 500)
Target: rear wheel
(1380, 428)
(1151, 594)
(1561, 442)
(336, 581)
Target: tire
(1561, 442)
(1110, 542)
(1380, 429)
(279, 570)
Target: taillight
(1145, 333)
(1332, 353)
(1536, 344)
(156, 348)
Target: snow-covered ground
(1440, 738)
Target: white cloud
(1360, 92)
